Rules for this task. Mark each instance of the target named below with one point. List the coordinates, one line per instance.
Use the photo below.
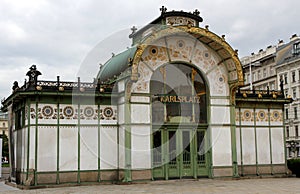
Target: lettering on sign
(179, 99)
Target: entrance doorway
(179, 153)
(179, 122)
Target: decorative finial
(223, 37)
(33, 73)
(163, 9)
(133, 29)
(206, 27)
(196, 12)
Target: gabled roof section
(116, 65)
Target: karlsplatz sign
(179, 99)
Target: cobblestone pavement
(266, 185)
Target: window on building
(272, 86)
(296, 48)
(254, 77)
(285, 78)
(280, 78)
(294, 93)
(286, 113)
(295, 112)
(264, 73)
(258, 75)
(287, 131)
(296, 131)
(272, 72)
(293, 76)
(3, 124)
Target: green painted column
(270, 140)
(99, 142)
(127, 116)
(28, 136)
(78, 141)
(255, 139)
(58, 143)
(233, 141)
(36, 141)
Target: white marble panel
(140, 113)
(108, 148)
(32, 114)
(88, 148)
(142, 85)
(47, 149)
(121, 100)
(89, 114)
(159, 57)
(238, 145)
(220, 101)
(32, 148)
(248, 146)
(247, 117)
(181, 47)
(142, 99)
(263, 146)
(278, 145)
(24, 148)
(220, 115)
(68, 149)
(221, 146)
(121, 114)
(43, 117)
(218, 81)
(121, 147)
(140, 146)
(15, 146)
(121, 86)
(276, 117)
(108, 114)
(262, 117)
(68, 114)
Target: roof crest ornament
(163, 9)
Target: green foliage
(294, 166)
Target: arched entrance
(179, 122)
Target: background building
(267, 68)
(3, 123)
(288, 70)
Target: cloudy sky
(61, 36)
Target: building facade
(259, 69)
(268, 68)
(288, 70)
(168, 107)
(3, 123)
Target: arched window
(178, 95)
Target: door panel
(179, 153)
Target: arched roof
(218, 44)
(117, 64)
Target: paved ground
(266, 185)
